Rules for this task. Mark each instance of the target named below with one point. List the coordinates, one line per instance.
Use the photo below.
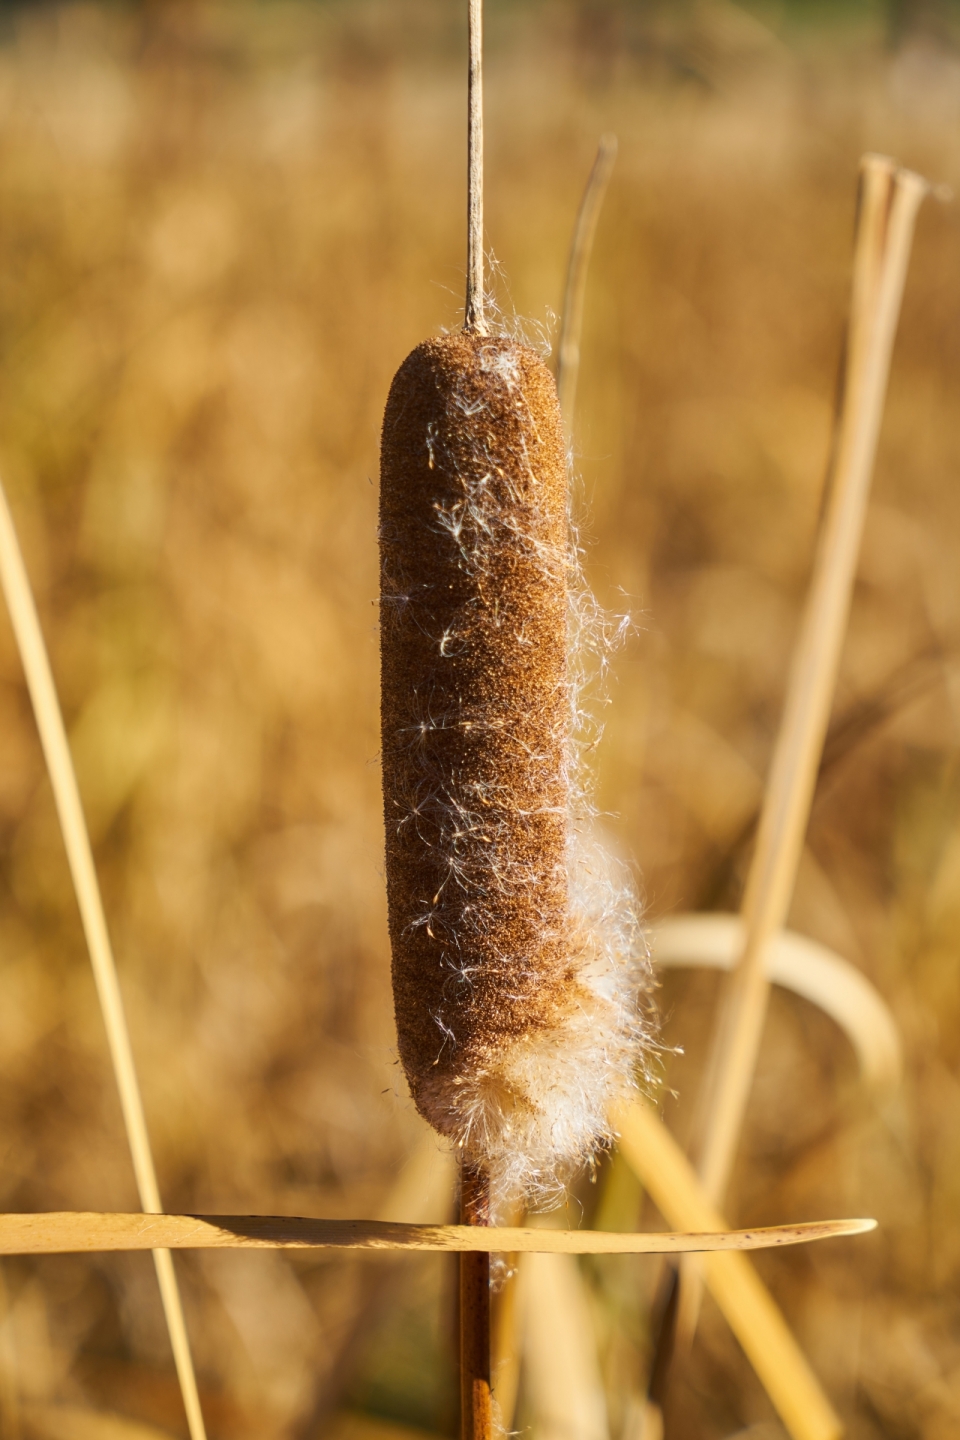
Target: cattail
(508, 1030)
(516, 1010)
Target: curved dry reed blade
(53, 738)
(810, 970)
(72, 1232)
(581, 248)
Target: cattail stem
(476, 1410)
(473, 319)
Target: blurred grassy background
(221, 229)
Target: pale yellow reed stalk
(74, 1232)
(46, 706)
(883, 249)
(563, 1385)
(506, 1343)
(10, 1427)
(581, 248)
(743, 1299)
(890, 198)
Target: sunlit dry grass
(220, 231)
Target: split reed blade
(46, 706)
(889, 200)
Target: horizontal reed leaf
(73, 1232)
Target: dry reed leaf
(33, 654)
(804, 967)
(74, 1422)
(505, 1343)
(578, 265)
(880, 266)
(747, 1305)
(889, 200)
(562, 1385)
(75, 1232)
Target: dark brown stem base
(476, 1407)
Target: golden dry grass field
(221, 229)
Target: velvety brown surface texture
(475, 706)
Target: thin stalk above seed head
(516, 1012)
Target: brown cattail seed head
(494, 1015)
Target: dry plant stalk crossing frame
(889, 200)
(33, 653)
(74, 1232)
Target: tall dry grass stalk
(889, 200)
(740, 1294)
(563, 1387)
(46, 707)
